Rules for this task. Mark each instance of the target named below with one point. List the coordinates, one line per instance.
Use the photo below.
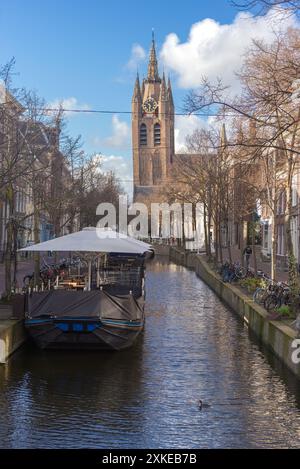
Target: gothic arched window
(143, 134)
(157, 134)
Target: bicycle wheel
(240, 272)
(250, 274)
(271, 302)
(287, 299)
(28, 281)
(259, 295)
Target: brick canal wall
(277, 336)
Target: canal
(146, 397)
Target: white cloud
(120, 134)
(68, 104)
(138, 55)
(184, 126)
(121, 166)
(214, 50)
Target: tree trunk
(292, 264)
(243, 243)
(208, 228)
(253, 247)
(205, 230)
(274, 249)
(36, 257)
(8, 259)
(9, 240)
(220, 242)
(289, 242)
(228, 245)
(216, 243)
(15, 255)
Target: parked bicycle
(278, 296)
(262, 292)
(273, 295)
(231, 272)
(47, 275)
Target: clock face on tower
(150, 105)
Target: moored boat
(98, 303)
(84, 320)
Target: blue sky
(79, 51)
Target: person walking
(247, 254)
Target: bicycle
(231, 271)
(261, 293)
(47, 275)
(239, 271)
(280, 295)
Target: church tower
(152, 131)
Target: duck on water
(203, 405)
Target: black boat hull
(51, 334)
(91, 320)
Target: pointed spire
(152, 66)
(143, 87)
(170, 94)
(223, 137)
(137, 89)
(163, 89)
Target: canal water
(193, 347)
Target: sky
(85, 54)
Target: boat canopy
(74, 304)
(92, 239)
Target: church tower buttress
(152, 130)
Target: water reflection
(192, 347)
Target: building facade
(31, 168)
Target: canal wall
(12, 331)
(12, 336)
(161, 249)
(277, 336)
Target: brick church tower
(152, 132)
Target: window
(281, 203)
(157, 134)
(266, 236)
(143, 134)
(280, 240)
(294, 233)
(294, 191)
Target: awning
(92, 239)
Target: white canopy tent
(92, 239)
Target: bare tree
(262, 6)
(270, 78)
(209, 176)
(20, 151)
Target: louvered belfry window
(157, 134)
(143, 134)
